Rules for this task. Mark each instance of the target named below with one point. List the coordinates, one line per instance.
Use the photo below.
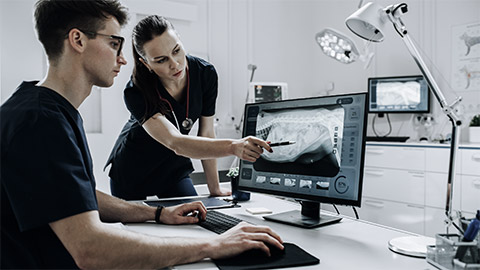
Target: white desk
(350, 244)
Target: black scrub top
(46, 175)
(143, 167)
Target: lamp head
(336, 45)
(368, 22)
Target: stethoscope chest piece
(187, 124)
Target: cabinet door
(409, 158)
(470, 193)
(397, 215)
(436, 190)
(471, 162)
(437, 160)
(394, 185)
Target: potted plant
(474, 129)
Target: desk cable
(336, 209)
(355, 211)
(389, 126)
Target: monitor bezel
(398, 111)
(319, 199)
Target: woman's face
(165, 56)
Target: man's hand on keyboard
(187, 213)
(244, 237)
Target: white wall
(21, 54)
(275, 35)
(278, 37)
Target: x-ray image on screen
(398, 93)
(317, 132)
(404, 94)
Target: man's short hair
(55, 18)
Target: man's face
(103, 61)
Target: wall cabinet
(405, 185)
(409, 181)
(403, 216)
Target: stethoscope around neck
(187, 124)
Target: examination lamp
(336, 45)
(341, 48)
(368, 22)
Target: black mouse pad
(291, 256)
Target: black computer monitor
(406, 94)
(324, 165)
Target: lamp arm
(448, 110)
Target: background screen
(409, 94)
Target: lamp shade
(368, 22)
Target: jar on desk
(237, 195)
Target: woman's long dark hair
(148, 82)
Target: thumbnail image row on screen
(293, 183)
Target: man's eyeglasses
(117, 45)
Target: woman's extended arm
(206, 129)
(159, 128)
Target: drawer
(437, 160)
(397, 215)
(410, 158)
(395, 185)
(436, 190)
(470, 193)
(471, 162)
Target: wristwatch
(158, 212)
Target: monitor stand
(309, 217)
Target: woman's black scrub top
(141, 166)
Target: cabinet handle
(476, 157)
(476, 183)
(415, 206)
(376, 173)
(375, 151)
(417, 174)
(375, 204)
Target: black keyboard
(219, 222)
(387, 138)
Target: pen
(281, 143)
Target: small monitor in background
(319, 157)
(405, 94)
(267, 91)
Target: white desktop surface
(350, 244)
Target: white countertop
(350, 244)
(462, 145)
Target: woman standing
(170, 90)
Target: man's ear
(77, 40)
